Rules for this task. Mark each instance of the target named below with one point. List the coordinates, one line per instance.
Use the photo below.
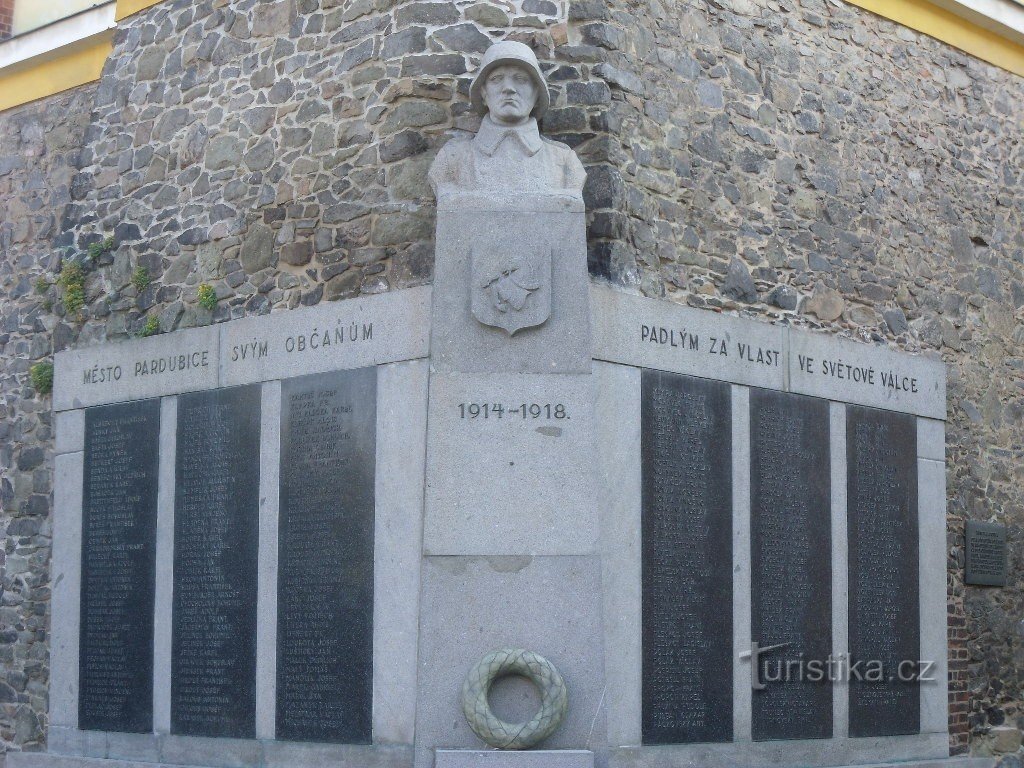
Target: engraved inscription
(986, 554)
(692, 341)
(791, 572)
(325, 565)
(216, 532)
(118, 567)
(686, 559)
(881, 454)
(887, 378)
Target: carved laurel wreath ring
(503, 663)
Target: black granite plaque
(216, 535)
(119, 498)
(791, 569)
(686, 440)
(325, 557)
(986, 554)
(884, 625)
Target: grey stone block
(633, 330)
(840, 567)
(782, 754)
(474, 605)
(283, 754)
(931, 523)
(70, 431)
(825, 366)
(742, 670)
(931, 439)
(66, 581)
(535, 758)
(215, 753)
(133, 746)
(183, 361)
(398, 540)
(266, 602)
(274, 755)
(163, 599)
(334, 336)
(63, 740)
(49, 760)
(459, 342)
(617, 419)
(509, 485)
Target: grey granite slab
(66, 585)
(65, 740)
(280, 755)
(398, 542)
(743, 667)
(840, 569)
(502, 484)
(472, 248)
(826, 366)
(617, 414)
(474, 605)
(177, 362)
(284, 754)
(332, 336)
(267, 754)
(931, 439)
(533, 758)
(210, 752)
(133, 746)
(266, 596)
(931, 483)
(785, 754)
(648, 333)
(70, 431)
(163, 610)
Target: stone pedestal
(511, 531)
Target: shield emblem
(511, 288)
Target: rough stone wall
(816, 165)
(39, 146)
(277, 151)
(805, 162)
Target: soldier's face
(510, 94)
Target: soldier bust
(508, 154)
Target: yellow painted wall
(31, 14)
(943, 25)
(126, 8)
(57, 71)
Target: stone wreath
(503, 663)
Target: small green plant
(100, 247)
(72, 280)
(151, 327)
(141, 279)
(207, 297)
(42, 285)
(41, 375)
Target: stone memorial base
(535, 758)
(654, 758)
(552, 510)
(469, 758)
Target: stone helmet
(509, 52)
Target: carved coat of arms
(511, 289)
